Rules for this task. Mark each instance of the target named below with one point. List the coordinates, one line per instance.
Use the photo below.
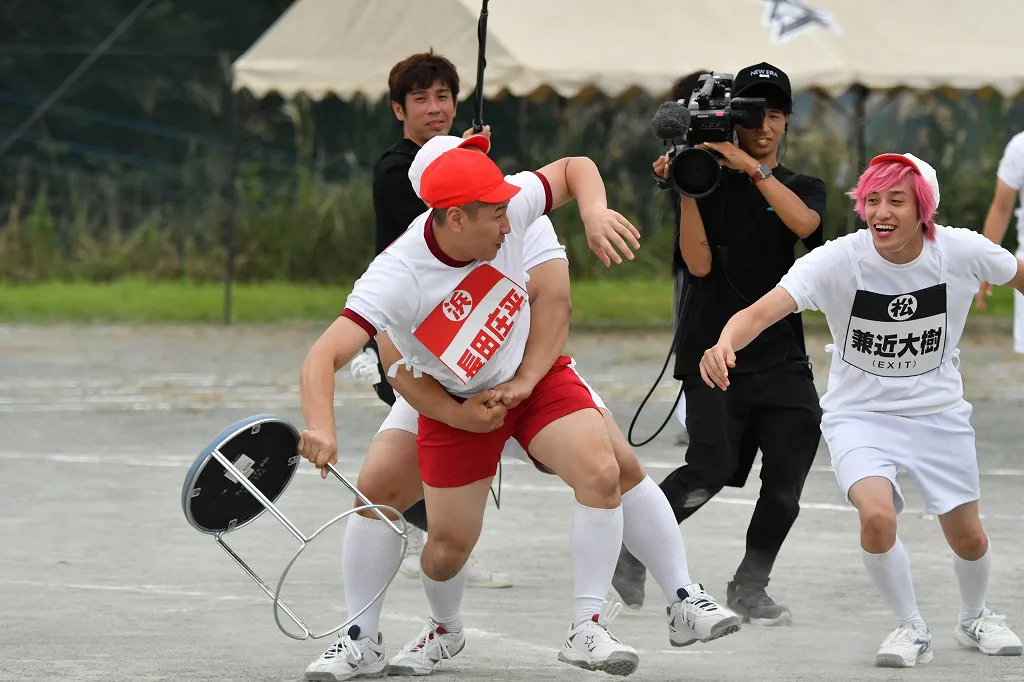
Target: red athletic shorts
(450, 457)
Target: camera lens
(696, 172)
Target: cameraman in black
(737, 242)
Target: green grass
(594, 302)
(646, 303)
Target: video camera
(711, 116)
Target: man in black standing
(423, 90)
(737, 243)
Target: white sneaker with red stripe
(433, 645)
(590, 646)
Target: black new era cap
(765, 80)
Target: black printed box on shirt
(897, 335)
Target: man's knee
(579, 449)
(964, 532)
(445, 553)
(782, 492)
(595, 479)
(382, 492)
(602, 475)
(709, 466)
(390, 475)
(688, 495)
(970, 544)
(630, 471)
(877, 529)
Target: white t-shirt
(465, 324)
(1011, 171)
(894, 348)
(541, 245)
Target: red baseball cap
(461, 176)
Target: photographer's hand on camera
(661, 167)
(733, 156)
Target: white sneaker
(590, 646)
(905, 647)
(410, 566)
(481, 576)
(990, 634)
(349, 658)
(433, 645)
(698, 617)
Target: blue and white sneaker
(350, 657)
(905, 647)
(990, 634)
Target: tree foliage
(130, 171)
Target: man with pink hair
(896, 296)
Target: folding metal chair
(240, 475)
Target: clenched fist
(482, 413)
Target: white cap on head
(922, 167)
(435, 147)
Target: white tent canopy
(347, 47)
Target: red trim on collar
(435, 248)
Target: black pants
(775, 410)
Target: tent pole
(231, 225)
(859, 121)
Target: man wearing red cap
(648, 523)
(450, 293)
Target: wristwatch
(763, 171)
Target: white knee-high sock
(594, 543)
(891, 574)
(651, 534)
(370, 555)
(445, 598)
(972, 576)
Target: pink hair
(885, 176)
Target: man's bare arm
(996, 221)
(693, 239)
(332, 351)
(550, 307)
(608, 232)
(318, 442)
(425, 394)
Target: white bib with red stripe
(468, 327)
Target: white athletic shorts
(937, 450)
(404, 417)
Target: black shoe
(754, 605)
(628, 580)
